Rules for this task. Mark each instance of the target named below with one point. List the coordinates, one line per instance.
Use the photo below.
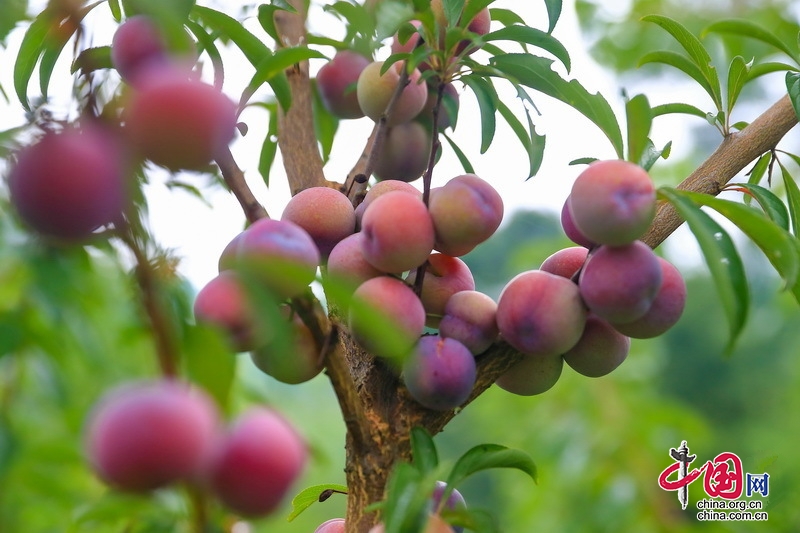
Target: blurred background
(69, 327)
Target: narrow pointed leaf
(270, 147)
(250, 45)
(532, 142)
(486, 456)
(777, 244)
(60, 32)
(761, 69)
(311, 495)
(553, 13)
(462, 157)
(737, 76)
(724, 262)
(506, 17)
(793, 199)
(30, 49)
(772, 206)
(793, 86)
(536, 72)
(683, 64)
(407, 500)
(538, 38)
(91, 59)
(666, 109)
(651, 154)
(745, 28)
(423, 450)
(266, 14)
(694, 48)
(472, 8)
(210, 48)
(487, 103)
(639, 120)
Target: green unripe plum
(620, 283)
(439, 373)
(600, 349)
(145, 436)
(336, 83)
(398, 232)
(666, 309)
(375, 91)
(71, 183)
(325, 213)
(405, 153)
(178, 122)
(532, 375)
(612, 202)
(301, 362)
(386, 317)
(465, 211)
(257, 462)
(470, 318)
(541, 314)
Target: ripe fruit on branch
(532, 375)
(454, 501)
(293, 360)
(600, 349)
(405, 152)
(398, 232)
(346, 263)
(571, 230)
(619, 283)
(256, 462)
(278, 253)
(336, 83)
(375, 91)
(334, 525)
(540, 314)
(612, 202)
(465, 211)
(325, 213)
(448, 110)
(439, 373)
(68, 184)
(178, 122)
(435, 524)
(223, 302)
(145, 436)
(386, 317)
(380, 188)
(137, 45)
(470, 318)
(666, 309)
(566, 262)
(445, 276)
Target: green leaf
(651, 155)
(266, 14)
(666, 109)
(251, 46)
(506, 17)
(745, 28)
(696, 51)
(270, 146)
(532, 142)
(423, 450)
(209, 362)
(116, 10)
(639, 120)
(209, 45)
(452, 11)
(407, 498)
(553, 13)
(311, 495)
(30, 49)
(476, 520)
(723, 260)
(91, 59)
(486, 456)
(538, 38)
(462, 157)
(793, 86)
(325, 126)
(737, 76)
(759, 169)
(536, 72)
(772, 206)
(761, 69)
(60, 32)
(487, 103)
(793, 199)
(778, 244)
(683, 64)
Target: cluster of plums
(585, 302)
(168, 116)
(435, 523)
(149, 435)
(371, 257)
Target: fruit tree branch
(234, 178)
(733, 155)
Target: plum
(374, 91)
(600, 349)
(470, 318)
(325, 213)
(445, 276)
(336, 83)
(439, 373)
(532, 375)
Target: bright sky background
(198, 233)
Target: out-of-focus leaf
(696, 51)
(251, 46)
(737, 77)
(311, 495)
(506, 17)
(462, 157)
(723, 260)
(266, 14)
(423, 451)
(772, 206)
(13, 11)
(793, 86)
(273, 66)
(487, 103)
(683, 64)
(91, 59)
(472, 8)
(116, 10)
(536, 72)
(406, 506)
(356, 16)
(270, 146)
(793, 199)
(666, 109)
(31, 48)
(745, 28)
(209, 362)
(476, 520)
(210, 47)
(452, 11)
(639, 120)
(553, 13)
(390, 16)
(538, 38)
(325, 126)
(487, 456)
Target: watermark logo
(724, 482)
